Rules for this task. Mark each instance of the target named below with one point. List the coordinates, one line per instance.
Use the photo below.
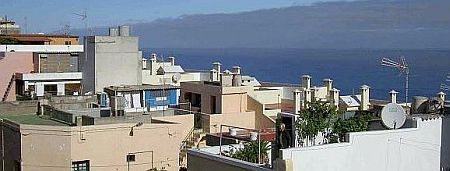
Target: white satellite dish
(393, 116)
(176, 77)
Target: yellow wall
(62, 40)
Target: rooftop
(32, 119)
(140, 87)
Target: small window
(68, 42)
(80, 165)
(131, 158)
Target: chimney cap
(335, 90)
(213, 70)
(236, 66)
(306, 76)
(393, 92)
(365, 86)
(217, 63)
(441, 93)
(327, 79)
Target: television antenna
(393, 116)
(402, 67)
(83, 17)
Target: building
(142, 98)
(111, 60)
(41, 39)
(66, 134)
(32, 70)
(8, 26)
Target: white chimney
(236, 70)
(153, 64)
(441, 96)
(144, 63)
(171, 60)
(213, 75)
(393, 95)
(314, 94)
(306, 81)
(216, 66)
(329, 84)
(297, 101)
(334, 97)
(364, 98)
(307, 97)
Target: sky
(54, 15)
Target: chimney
(153, 64)
(216, 66)
(329, 84)
(307, 97)
(213, 75)
(171, 60)
(364, 105)
(306, 81)
(334, 97)
(441, 96)
(113, 31)
(314, 92)
(297, 101)
(393, 95)
(236, 70)
(144, 63)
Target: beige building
(60, 140)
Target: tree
(7, 40)
(318, 117)
(250, 151)
(321, 117)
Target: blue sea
(348, 68)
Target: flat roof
(32, 119)
(140, 87)
(272, 84)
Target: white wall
(410, 149)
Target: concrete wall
(261, 120)
(18, 62)
(12, 145)
(117, 61)
(244, 119)
(403, 149)
(203, 161)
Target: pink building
(11, 63)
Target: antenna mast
(402, 67)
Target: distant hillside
(359, 24)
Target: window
(80, 165)
(131, 158)
(68, 42)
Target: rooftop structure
(8, 26)
(111, 60)
(41, 39)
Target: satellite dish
(176, 77)
(393, 116)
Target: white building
(111, 60)
(417, 148)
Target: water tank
(124, 30)
(113, 31)
(419, 105)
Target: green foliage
(7, 41)
(250, 151)
(319, 117)
(357, 123)
(323, 118)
